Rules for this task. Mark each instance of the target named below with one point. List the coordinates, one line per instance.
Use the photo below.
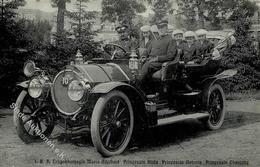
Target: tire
(20, 122)
(118, 118)
(216, 107)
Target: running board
(182, 117)
(165, 112)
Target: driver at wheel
(125, 42)
(159, 51)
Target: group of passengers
(158, 46)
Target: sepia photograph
(129, 83)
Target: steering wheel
(114, 49)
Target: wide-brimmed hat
(178, 31)
(145, 28)
(154, 28)
(162, 23)
(189, 34)
(201, 32)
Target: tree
(161, 9)
(38, 33)
(61, 5)
(186, 14)
(242, 55)
(212, 11)
(123, 11)
(81, 20)
(12, 38)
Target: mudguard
(104, 88)
(225, 74)
(208, 82)
(24, 84)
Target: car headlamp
(35, 88)
(76, 90)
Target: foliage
(214, 12)
(53, 57)
(161, 8)
(12, 38)
(81, 19)
(242, 55)
(38, 33)
(123, 11)
(61, 5)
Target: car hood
(99, 73)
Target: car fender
(225, 74)
(109, 86)
(208, 82)
(24, 84)
(136, 97)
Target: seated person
(154, 32)
(160, 50)
(178, 41)
(204, 45)
(177, 36)
(146, 37)
(125, 42)
(189, 48)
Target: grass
(248, 94)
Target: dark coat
(205, 47)
(163, 48)
(143, 45)
(188, 53)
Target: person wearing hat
(178, 41)
(159, 51)
(124, 41)
(189, 47)
(204, 45)
(177, 36)
(154, 31)
(146, 36)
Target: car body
(218, 35)
(102, 96)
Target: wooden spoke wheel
(112, 123)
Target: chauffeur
(204, 46)
(125, 41)
(160, 50)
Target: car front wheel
(112, 123)
(32, 119)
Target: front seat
(166, 72)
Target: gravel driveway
(183, 144)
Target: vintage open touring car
(102, 96)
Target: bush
(242, 57)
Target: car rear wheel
(112, 123)
(32, 119)
(215, 107)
